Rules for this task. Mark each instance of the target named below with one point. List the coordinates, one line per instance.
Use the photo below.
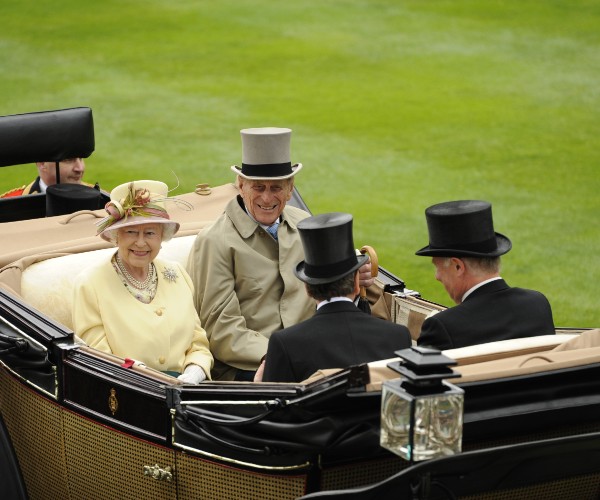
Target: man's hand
(364, 275)
(259, 373)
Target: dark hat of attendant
(463, 228)
(329, 252)
(68, 198)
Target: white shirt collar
(333, 299)
(478, 285)
(43, 186)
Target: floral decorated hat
(137, 202)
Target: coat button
(158, 312)
(161, 360)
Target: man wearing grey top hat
(466, 252)
(339, 334)
(242, 265)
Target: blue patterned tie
(272, 230)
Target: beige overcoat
(245, 287)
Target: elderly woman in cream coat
(134, 305)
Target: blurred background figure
(70, 172)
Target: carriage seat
(48, 285)
(510, 358)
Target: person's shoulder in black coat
(337, 336)
(493, 312)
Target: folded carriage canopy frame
(46, 136)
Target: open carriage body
(77, 423)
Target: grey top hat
(329, 252)
(463, 229)
(266, 154)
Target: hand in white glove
(192, 374)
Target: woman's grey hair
(112, 236)
(168, 231)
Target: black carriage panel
(116, 396)
(28, 343)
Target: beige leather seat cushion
(48, 285)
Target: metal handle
(157, 473)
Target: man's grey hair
(479, 265)
(483, 265)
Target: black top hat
(328, 249)
(463, 229)
(68, 198)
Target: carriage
(79, 423)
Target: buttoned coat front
(165, 334)
(245, 285)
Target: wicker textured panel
(361, 474)
(106, 464)
(199, 478)
(34, 424)
(580, 488)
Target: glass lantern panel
(438, 426)
(396, 413)
(421, 427)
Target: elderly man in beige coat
(242, 265)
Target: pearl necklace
(140, 285)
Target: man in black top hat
(466, 252)
(339, 334)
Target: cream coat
(245, 285)
(165, 334)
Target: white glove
(192, 374)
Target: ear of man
(459, 265)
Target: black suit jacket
(337, 336)
(493, 312)
(35, 186)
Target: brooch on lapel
(170, 274)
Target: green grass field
(395, 105)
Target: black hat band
(268, 170)
(329, 270)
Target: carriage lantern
(421, 414)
